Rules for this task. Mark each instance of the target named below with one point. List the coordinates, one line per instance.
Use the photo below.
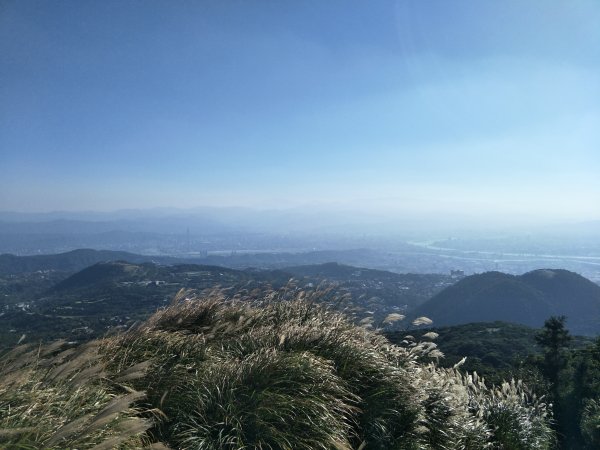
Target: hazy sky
(474, 107)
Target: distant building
(457, 273)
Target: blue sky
(409, 107)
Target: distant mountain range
(79, 259)
(71, 261)
(528, 299)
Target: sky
(481, 108)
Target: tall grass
(590, 424)
(56, 397)
(263, 369)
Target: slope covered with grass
(270, 370)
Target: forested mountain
(84, 304)
(105, 296)
(402, 290)
(528, 299)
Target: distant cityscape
(280, 239)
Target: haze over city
(482, 110)
(316, 224)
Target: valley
(112, 295)
(486, 323)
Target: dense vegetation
(406, 290)
(495, 350)
(573, 378)
(87, 304)
(112, 296)
(263, 369)
(563, 368)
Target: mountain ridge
(71, 261)
(528, 299)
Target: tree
(586, 395)
(554, 339)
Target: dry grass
(57, 397)
(262, 369)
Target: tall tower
(188, 240)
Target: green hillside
(404, 291)
(107, 296)
(528, 299)
(116, 294)
(493, 349)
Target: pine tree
(554, 339)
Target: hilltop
(527, 299)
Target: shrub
(590, 424)
(271, 370)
